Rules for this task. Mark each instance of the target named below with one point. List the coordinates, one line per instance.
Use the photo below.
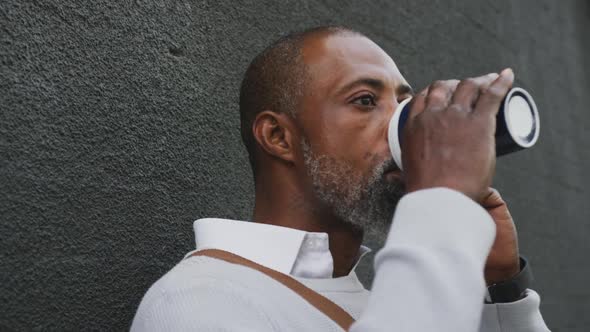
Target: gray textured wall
(119, 127)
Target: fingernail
(493, 75)
(508, 72)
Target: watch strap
(513, 289)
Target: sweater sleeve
(519, 316)
(429, 274)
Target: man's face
(353, 91)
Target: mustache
(382, 193)
(396, 188)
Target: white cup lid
(394, 134)
(522, 117)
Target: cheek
(348, 134)
(359, 142)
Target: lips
(391, 167)
(391, 170)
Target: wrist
(414, 185)
(495, 276)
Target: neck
(283, 203)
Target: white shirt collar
(287, 250)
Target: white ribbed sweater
(428, 278)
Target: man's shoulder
(196, 272)
(195, 279)
(205, 287)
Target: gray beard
(367, 203)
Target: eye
(365, 100)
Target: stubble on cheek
(364, 200)
(333, 180)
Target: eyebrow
(376, 84)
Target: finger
(491, 97)
(468, 90)
(439, 95)
(417, 104)
(492, 199)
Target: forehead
(334, 60)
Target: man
(314, 110)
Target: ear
(275, 134)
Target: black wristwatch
(513, 289)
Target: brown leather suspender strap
(323, 304)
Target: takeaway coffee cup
(517, 124)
